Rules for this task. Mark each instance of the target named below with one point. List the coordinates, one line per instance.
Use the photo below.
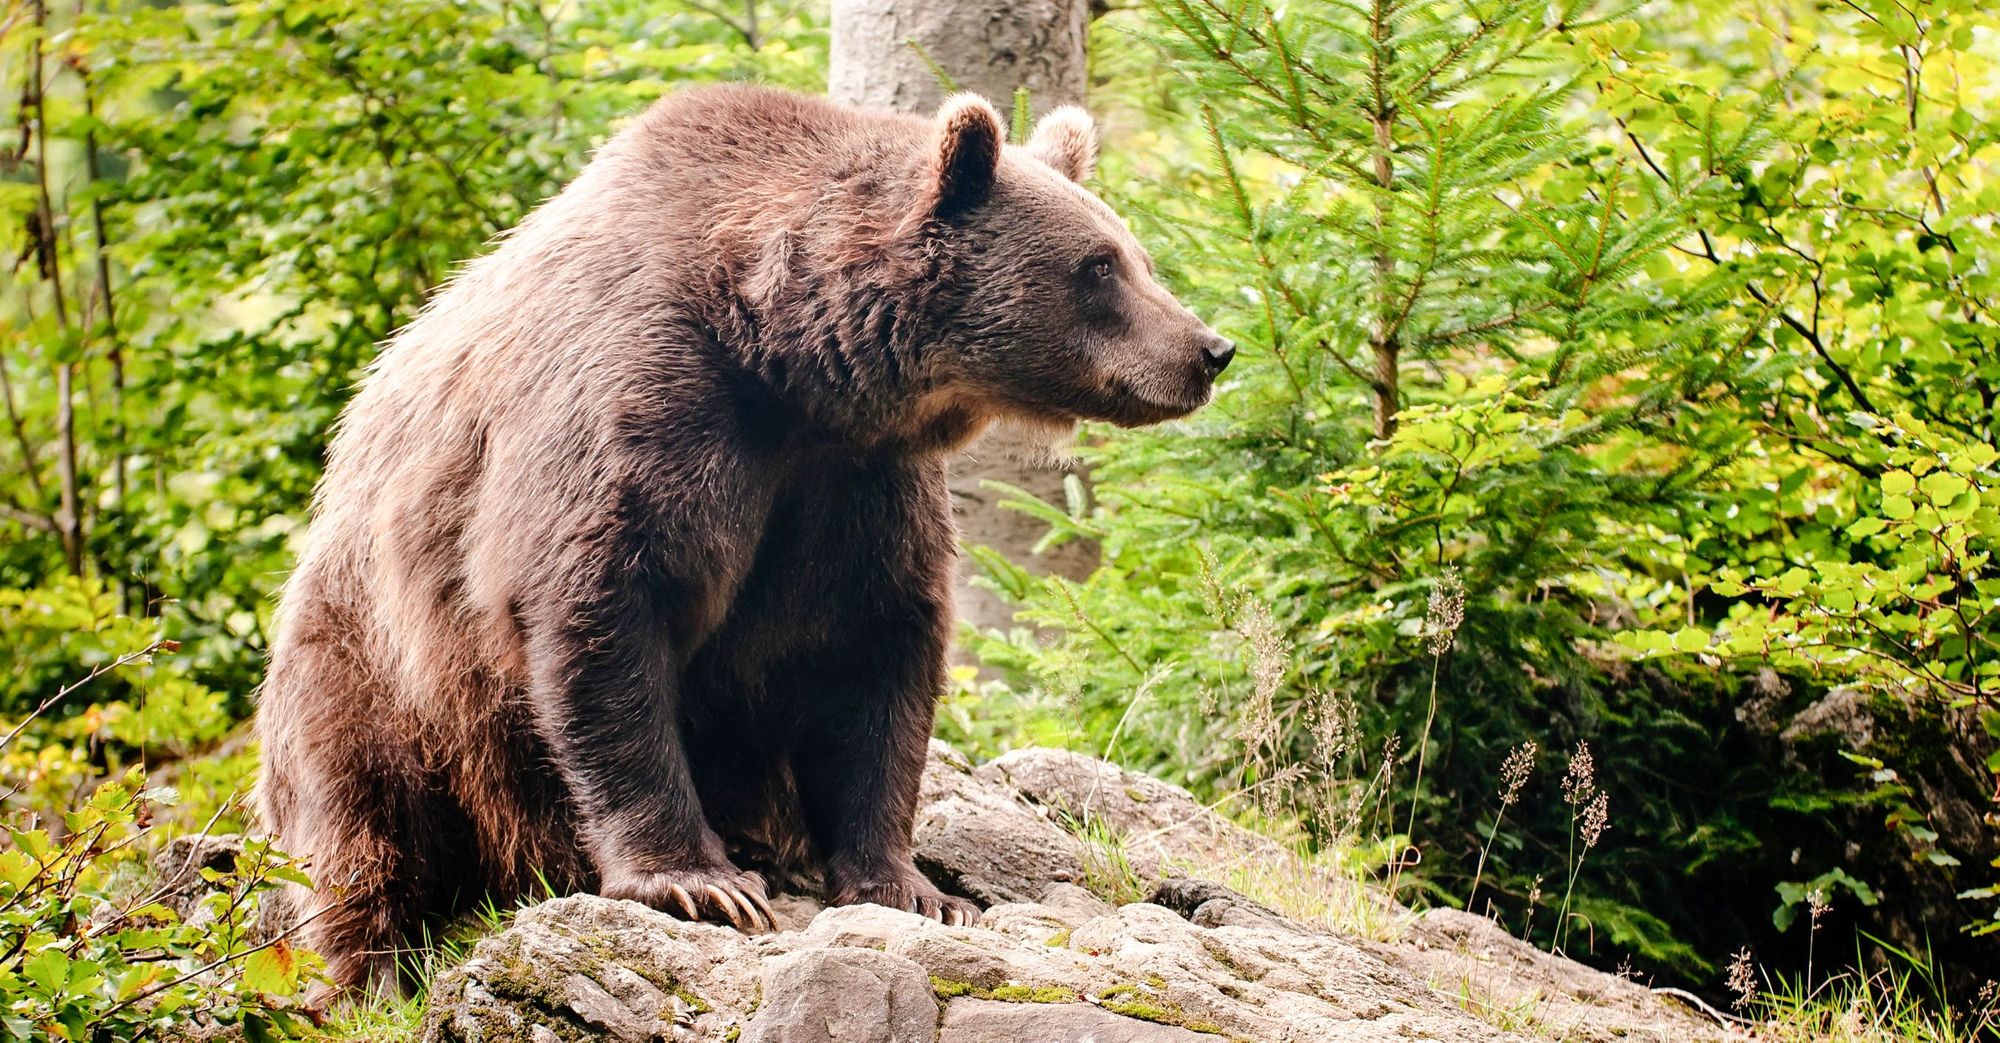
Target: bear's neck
(846, 336)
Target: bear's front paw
(912, 895)
(727, 894)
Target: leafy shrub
(1526, 301)
(91, 945)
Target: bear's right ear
(1066, 139)
(968, 155)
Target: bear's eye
(1099, 269)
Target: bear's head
(1057, 317)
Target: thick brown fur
(631, 570)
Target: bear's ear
(1066, 139)
(968, 154)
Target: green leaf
(1866, 527)
(49, 969)
(1691, 639)
(1942, 487)
(273, 970)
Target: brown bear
(631, 570)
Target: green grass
(1903, 1003)
(384, 1018)
(1107, 870)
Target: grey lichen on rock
(844, 995)
(1050, 962)
(587, 968)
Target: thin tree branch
(158, 645)
(69, 517)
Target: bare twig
(1725, 1020)
(158, 645)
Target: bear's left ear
(968, 154)
(1066, 139)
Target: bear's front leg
(858, 780)
(607, 700)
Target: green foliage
(1574, 300)
(91, 949)
(250, 196)
(228, 206)
(1393, 212)
(1852, 541)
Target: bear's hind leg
(373, 889)
(376, 843)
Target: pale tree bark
(887, 54)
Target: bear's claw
(763, 907)
(914, 895)
(736, 898)
(744, 919)
(686, 900)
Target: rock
(987, 1021)
(1256, 983)
(1029, 922)
(795, 911)
(985, 842)
(968, 955)
(863, 926)
(1209, 904)
(1048, 961)
(178, 866)
(1063, 908)
(1073, 903)
(585, 968)
(1461, 953)
(844, 996)
(1163, 824)
(181, 887)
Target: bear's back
(510, 388)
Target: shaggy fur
(632, 566)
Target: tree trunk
(887, 54)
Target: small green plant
(1522, 1014)
(89, 950)
(1905, 1000)
(1107, 870)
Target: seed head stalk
(1817, 904)
(1589, 817)
(1514, 772)
(1442, 618)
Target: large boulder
(586, 968)
(1048, 962)
(986, 842)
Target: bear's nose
(1216, 351)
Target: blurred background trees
(1614, 377)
